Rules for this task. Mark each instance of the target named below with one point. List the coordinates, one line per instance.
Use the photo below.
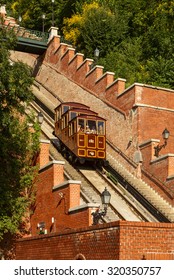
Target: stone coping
(50, 164)
(83, 207)
(162, 157)
(64, 184)
(148, 142)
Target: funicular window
(72, 115)
(81, 125)
(58, 114)
(65, 109)
(91, 127)
(101, 128)
(65, 121)
(72, 128)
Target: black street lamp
(52, 12)
(105, 198)
(158, 148)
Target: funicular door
(91, 145)
(81, 145)
(81, 140)
(101, 146)
(101, 140)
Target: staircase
(144, 189)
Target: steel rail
(155, 212)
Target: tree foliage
(32, 11)
(135, 33)
(135, 38)
(96, 26)
(18, 143)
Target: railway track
(123, 206)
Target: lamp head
(96, 53)
(105, 197)
(40, 118)
(165, 134)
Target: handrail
(28, 33)
(161, 185)
(34, 34)
(146, 173)
(119, 151)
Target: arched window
(80, 257)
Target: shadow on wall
(37, 65)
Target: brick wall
(57, 200)
(163, 168)
(118, 240)
(43, 158)
(137, 114)
(146, 240)
(61, 203)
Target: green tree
(32, 11)
(125, 61)
(138, 34)
(18, 143)
(95, 27)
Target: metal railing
(32, 34)
(29, 33)
(166, 189)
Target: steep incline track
(123, 204)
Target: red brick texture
(138, 113)
(148, 109)
(43, 158)
(119, 240)
(57, 201)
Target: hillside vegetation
(19, 138)
(135, 37)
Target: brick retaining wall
(118, 240)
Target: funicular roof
(73, 105)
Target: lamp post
(52, 12)
(40, 118)
(158, 148)
(43, 23)
(105, 198)
(19, 19)
(96, 56)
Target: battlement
(84, 71)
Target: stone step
(147, 191)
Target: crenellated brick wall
(83, 71)
(57, 200)
(134, 115)
(119, 240)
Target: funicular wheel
(81, 160)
